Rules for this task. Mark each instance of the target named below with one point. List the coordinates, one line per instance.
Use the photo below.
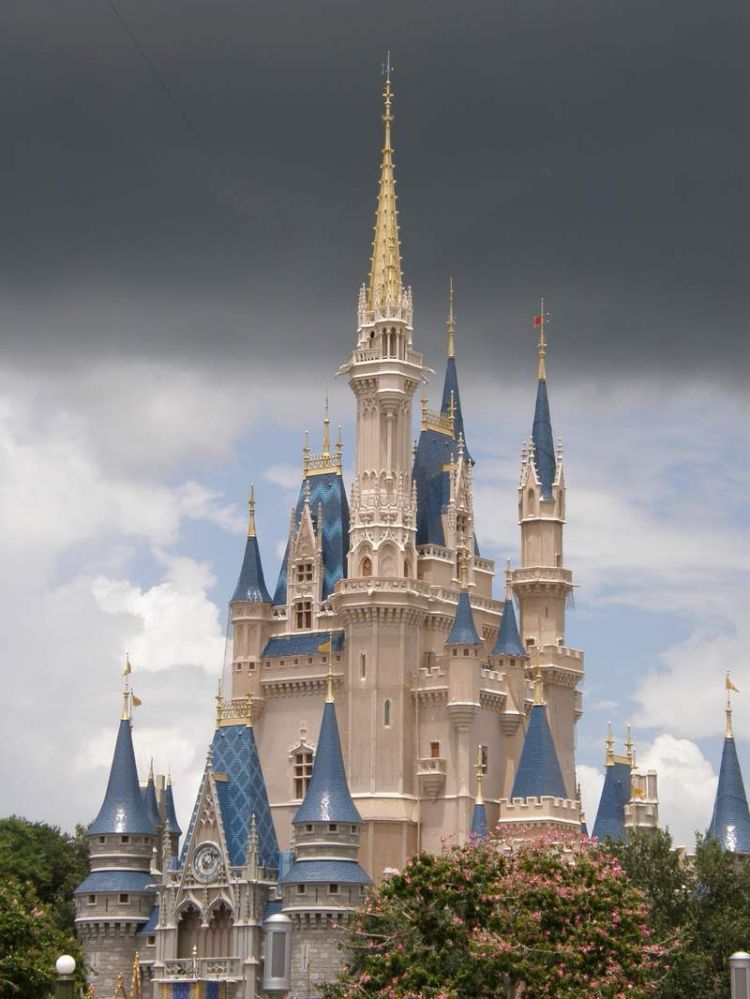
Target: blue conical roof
(544, 445)
(450, 385)
(610, 819)
(328, 798)
(539, 774)
(150, 802)
(479, 827)
(508, 640)
(464, 631)
(251, 585)
(730, 822)
(172, 824)
(123, 809)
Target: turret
(616, 793)
(730, 822)
(116, 899)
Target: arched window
(407, 569)
(367, 566)
(189, 932)
(387, 713)
(219, 930)
(302, 766)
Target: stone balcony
(431, 772)
(198, 969)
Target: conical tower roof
(173, 825)
(479, 825)
(251, 586)
(616, 793)
(328, 798)
(508, 638)
(464, 630)
(123, 809)
(730, 822)
(384, 287)
(539, 774)
(149, 799)
(541, 432)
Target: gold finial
(729, 732)
(508, 580)
(127, 669)
(452, 411)
(610, 757)
(251, 512)
(385, 266)
(329, 675)
(306, 454)
(219, 700)
(326, 431)
(135, 978)
(538, 687)
(479, 771)
(539, 321)
(629, 751)
(451, 323)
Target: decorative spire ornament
(451, 323)
(251, 512)
(385, 266)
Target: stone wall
(317, 956)
(109, 949)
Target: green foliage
(53, 862)
(481, 920)
(699, 907)
(30, 943)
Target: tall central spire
(385, 265)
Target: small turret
(149, 800)
(251, 586)
(730, 822)
(616, 794)
(464, 632)
(541, 433)
(539, 774)
(508, 641)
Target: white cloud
(687, 786)
(591, 780)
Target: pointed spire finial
(729, 732)
(539, 321)
(326, 430)
(538, 685)
(339, 442)
(251, 512)
(385, 268)
(610, 757)
(451, 323)
(452, 410)
(127, 669)
(479, 772)
(329, 675)
(219, 700)
(151, 769)
(508, 580)
(629, 750)
(305, 454)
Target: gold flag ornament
(730, 686)
(325, 647)
(136, 701)
(638, 792)
(127, 668)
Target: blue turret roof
(432, 478)
(327, 798)
(544, 445)
(479, 827)
(610, 819)
(464, 631)
(730, 822)
(326, 491)
(150, 802)
(337, 871)
(242, 794)
(539, 774)
(508, 640)
(450, 385)
(123, 810)
(251, 585)
(115, 880)
(172, 824)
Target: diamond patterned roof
(610, 819)
(251, 585)
(539, 774)
(172, 824)
(434, 451)
(150, 803)
(123, 810)
(479, 827)
(508, 639)
(544, 446)
(464, 631)
(327, 798)
(730, 822)
(327, 491)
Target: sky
(187, 202)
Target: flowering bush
(541, 919)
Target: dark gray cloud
(594, 152)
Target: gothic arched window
(367, 566)
(302, 766)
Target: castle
(379, 700)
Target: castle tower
(213, 899)
(116, 899)
(324, 884)
(539, 802)
(542, 584)
(730, 822)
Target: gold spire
(127, 669)
(329, 676)
(538, 687)
(479, 771)
(385, 264)
(629, 750)
(251, 512)
(729, 732)
(610, 758)
(542, 374)
(326, 431)
(451, 324)
(508, 580)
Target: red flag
(538, 320)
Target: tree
(30, 943)
(699, 909)
(52, 861)
(542, 919)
